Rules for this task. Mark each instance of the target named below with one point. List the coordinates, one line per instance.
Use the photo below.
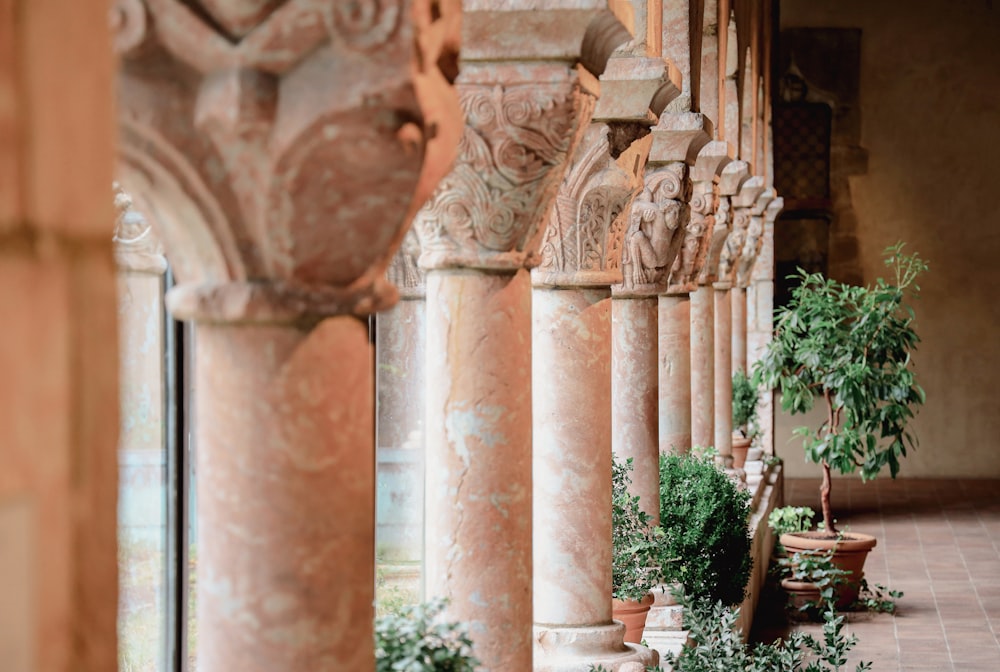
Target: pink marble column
(705, 346)
(400, 350)
(281, 194)
(674, 304)
(722, 346)
(521, 93)
(743, 194)
(738, 299)
(760, 300)
(657, 226)
(576, 425)
(675, 373)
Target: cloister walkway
(938, 542)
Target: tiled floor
(938, 542)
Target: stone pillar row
(280, 194)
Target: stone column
(760, 301)
(582, 255)
(479, 234)
(281, 194)
(742, 202)
(141, 446)
(674, 304)
(742, 276)
(704, 350)
(400, 350)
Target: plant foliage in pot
(417, 640)
(849, 346)
(744, 417)
(635, 562)
(704, 516)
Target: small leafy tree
(851, 346)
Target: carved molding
(519, 132)
(286, 184)
(731, 179)
(136, 247)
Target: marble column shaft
(285, 496)
(478, 432)
(572, 382)
(702, 367)
(635, 406)
(738, 297)
(722, 346)
(675, 418)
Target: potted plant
(704, 521)
(849, 346)
(416, 640)
(744, 417)
(635, 564)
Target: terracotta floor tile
(939, 542)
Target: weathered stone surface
(479, 458)
(702, 367)
(285, 493)
(674, 373)
(274, 168)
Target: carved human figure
(647, 241)
(734, 245)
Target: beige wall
(930, 99)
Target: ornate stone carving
(754, 238)
(582, 243)
(268, 170)
(404, 270)
(136, 247)
(730, 180)
(763, 269)
(657, 221)
(709, 163)
(744, 203)
(486, 212)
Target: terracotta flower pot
(849, 553)
(740, 448)
(633, 615)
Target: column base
(666, 641)
(569, 649)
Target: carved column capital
(754, 239)
(136, 247)
(664, 235)
(267, 171)
(763, 269)
(525, 105)
(731, 179)
(743, 202)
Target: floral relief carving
(486, 211)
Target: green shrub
(415, 641)
(789, 519)
(706, 536)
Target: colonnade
(565, 231)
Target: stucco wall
(930, 110)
